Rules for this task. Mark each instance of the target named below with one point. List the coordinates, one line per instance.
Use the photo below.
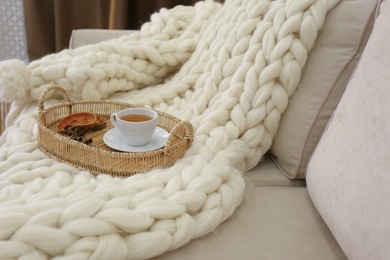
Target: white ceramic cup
(135, 133)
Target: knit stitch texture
(228, 69)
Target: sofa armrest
(81, 37)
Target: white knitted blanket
(229, 69)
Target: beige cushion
(271, 223)
(81, 37)
(267, 174)
(325, 76)
(348, 176)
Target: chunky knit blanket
(227, 68)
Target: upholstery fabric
(272, 223)
(340, 43)
(348, 176)
(83, 37)
(267, 174)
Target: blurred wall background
(12, 31)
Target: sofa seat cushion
(348, 176)
(271, 223)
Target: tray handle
(43, 95)
(188, 134)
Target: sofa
(321, 192)
(303, 202)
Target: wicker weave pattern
(98, 157)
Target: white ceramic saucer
(113, 139)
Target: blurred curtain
(132, 14)
(49, 23)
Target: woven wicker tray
(98, 157)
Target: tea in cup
(135, 125)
